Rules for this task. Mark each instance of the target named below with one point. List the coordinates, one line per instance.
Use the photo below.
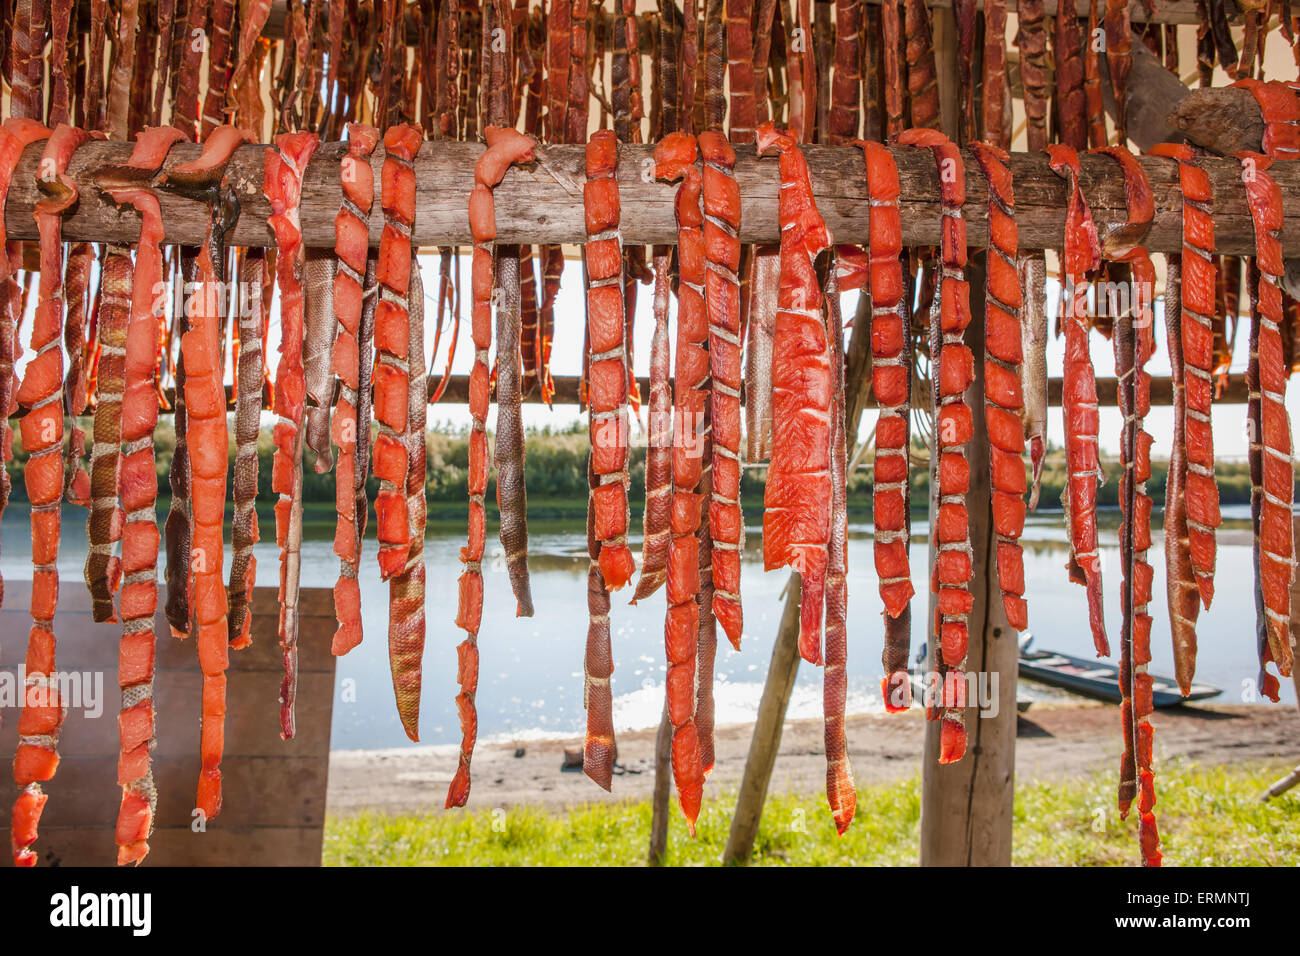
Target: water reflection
(531, 669)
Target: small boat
(1098, 679)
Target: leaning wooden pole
(660, 810)
(966, 806)
(766, 739)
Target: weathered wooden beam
(1225, 120)
(542, 202)
(1167, 11)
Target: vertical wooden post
(966, 806)
(766, 740)
(663, 788)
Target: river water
(531, 669)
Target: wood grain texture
(274, 808)
(541, 202)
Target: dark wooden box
(273, 810)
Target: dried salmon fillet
(721, 199)
(891, 381)
(954, 427)
(1276, 563)
(1003, 394)
(607, 408)
(40, 720)
(675, 158)
(1081, 255)
(351, 242)
(1197, 298)
(505, 148)
(797, 497)
(1134, 343)
(285, 167)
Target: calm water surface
(531, 669)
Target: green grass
(1208, 816)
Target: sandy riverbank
(1054, 741)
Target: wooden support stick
(541, 203)
(966, 806)
(1279, 787)
(769, 723)
(663, 789)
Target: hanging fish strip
(675, 159)
(1197, 294)
(15, 136)
(285, 166)
(139, 492)
(505, 148)
(41, 718)
(891, 381)
(1003, 401)
(797, 496)
(611, 563)
(1079, 394)
(1276, 567)
(954, 427)
(1134, 343)
(721, 199)
(351, 242)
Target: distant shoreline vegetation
(556, 475)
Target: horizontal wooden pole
(566, 391)
(542, 201)
(1167, 11)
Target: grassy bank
(1208, 816)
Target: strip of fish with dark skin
(1071, 107)
(319, 325)
(406, 621)
(1180, 581)
(658, 462)
(922, 82)
(1031, 41)
(841, 792)
(248, 411)
(1119, 59)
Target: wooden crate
(273, 810)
